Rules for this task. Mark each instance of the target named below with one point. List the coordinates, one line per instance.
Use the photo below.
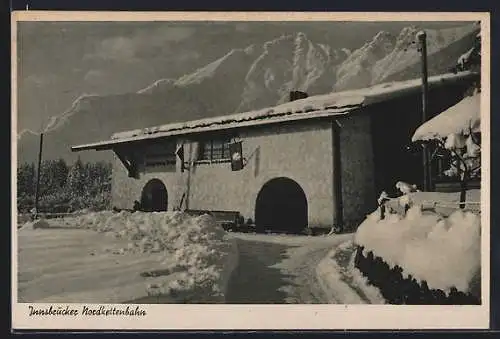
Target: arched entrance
(281, 206)
(154, 197)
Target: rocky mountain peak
(252, 77)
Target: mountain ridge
(244, 79)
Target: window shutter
(179, 152)
(236, 156)
(196, 152)
(133, 171)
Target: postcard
(250, 170)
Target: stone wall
(358, 177)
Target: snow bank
(456, 120)
(359, 281)
(330, 278)
(342, 282)
(37, 224)
(445, 252)
(195, 249)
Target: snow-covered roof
(458, 119)
(314, 107)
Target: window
(215, 150)
(160, 155)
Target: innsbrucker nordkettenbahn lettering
(100, 310)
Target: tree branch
(474, 140)
(459, 157)
(434, 153)
(463, 173)
(475, 169)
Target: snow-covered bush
(455, 135)
(195, 249)
(444, 252)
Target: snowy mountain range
(243, 79)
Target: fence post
(383, 198)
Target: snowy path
(279, 268)
(74, 265)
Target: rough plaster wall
(125, 190)
(358, 187)
(299, 152)
(122, 188)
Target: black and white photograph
(247, 161)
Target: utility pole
(37, 191)
(422, 38)
(190, 164)
(39, 170)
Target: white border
(325, 317)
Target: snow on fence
(442, 203)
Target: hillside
(257, 76)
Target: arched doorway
(281, 206)
(154, 197)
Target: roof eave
(114, 143)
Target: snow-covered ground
(125, 257)
(342, 282)
(174, 258)
(280, 269)
(121, 257)
(443, 251)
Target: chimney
(296, 95)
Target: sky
(59, 61)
